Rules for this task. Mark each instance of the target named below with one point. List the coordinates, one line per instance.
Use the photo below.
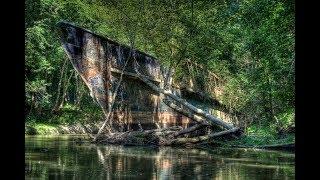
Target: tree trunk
(270, 99)
(80, 92)
(112, 101)
(65, 88)
(56, 104)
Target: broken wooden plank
(133, 75)
(183, 102)
(198, 139)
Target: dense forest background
(248, 43)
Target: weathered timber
(183, 102)
(158, 137)
(133, 75)
(190, 129)
(180, 141)
(189, 114)
(134, 100)
(112, 102)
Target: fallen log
(285, 146)
(183, 102)
(189, 130)
(146, 135)
(180, 141)
(158, 137)
(221, 133)
(192, 116)
(188, 114)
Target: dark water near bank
(61, 157)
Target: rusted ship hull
(99, 61)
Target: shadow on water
(62, 157)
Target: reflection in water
(61, 157)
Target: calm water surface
(62, 157)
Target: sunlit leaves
(248, 43)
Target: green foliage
(255, 130)
(248, 43)
(252, 140)
(284, 120)
(44, 129)
(256, 135)
(36, 92)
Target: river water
(63, 157)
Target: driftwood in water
(180, 141)
(279, 146)
(286, 146)
(158, 137)
(190, 129)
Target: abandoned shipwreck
(142, 100)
